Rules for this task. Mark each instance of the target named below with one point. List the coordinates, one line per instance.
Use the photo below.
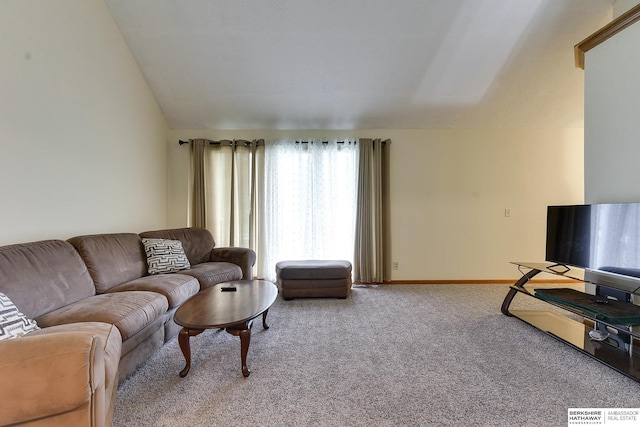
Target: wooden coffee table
(216, 308)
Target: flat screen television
(603, 239)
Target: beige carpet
(401, 355)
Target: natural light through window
(310, 201)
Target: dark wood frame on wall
(614, 27)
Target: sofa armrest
(58, 376)
(244, 257)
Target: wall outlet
(507, 213)
(395, 265)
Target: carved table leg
(183, 340)
(245, 340)
(243, 330)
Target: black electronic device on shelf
(604, 239)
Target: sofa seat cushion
(177, 288)
(212, 273)
(129, 311)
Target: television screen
(569, 235)
(604, 239)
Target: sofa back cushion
(112, 259)
(196, 242)
(43, 276)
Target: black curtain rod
(181, 142)
(235, 141)
(324, 142)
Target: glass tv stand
(620, 350)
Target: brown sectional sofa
(101, 316)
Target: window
(309, 202)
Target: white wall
(612, 119)
(83, 141)
(449, 190)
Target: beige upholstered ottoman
(314, 278)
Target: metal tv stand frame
(612, 351)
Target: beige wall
(621, 6)
(84, 150)
(449, 190)
(83, 140)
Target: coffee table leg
(264, 319)
(183, 340)
(245, 340)
(243, 330)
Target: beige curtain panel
(372, 212)
(197, 211)
(224, 185)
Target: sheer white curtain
(309, 204)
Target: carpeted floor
(401, 355)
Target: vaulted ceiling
(362, 64)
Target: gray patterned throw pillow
(165, 256)
(13, 324)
